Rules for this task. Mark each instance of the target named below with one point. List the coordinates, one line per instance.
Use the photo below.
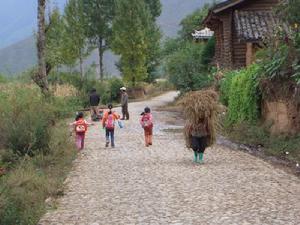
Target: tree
(192, 22)
(130, 28)
(40, 77)
(99, 15)
(76, 41)
(154, 38)
(55, 40)
(155, 8)
(289, 10)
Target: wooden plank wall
(226, 61)
(240, 49)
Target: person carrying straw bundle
(200, 110)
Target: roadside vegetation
(274, 76)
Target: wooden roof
(254, 25)
(225, 5)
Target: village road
(132, 184)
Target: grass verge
(31, 180)
(281, 147)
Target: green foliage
(57, 54)
(99, 15)
(75, 42)
(193, 22)
(115, 85)
(243, 101)
(26, 186)
(155, 8)
(108, 89)
(136, 39)
(208, 52)
(27, 130)
(2, 79)
(225, 86)
(289, 11)
(185, 68)
(281, 59)
(29, 118)
(172, 45)
(256, 135)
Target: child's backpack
(80, 127)
(110, 123)
(146, 121)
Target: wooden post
(249, 53)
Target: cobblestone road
(132, 184)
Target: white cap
(123, 88)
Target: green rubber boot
(200, 157)
(195, 156)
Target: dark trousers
(199, 144)
(125, 112)
(110, 136)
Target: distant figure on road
(109, 122)
(124, 104)
(147, 124)
(94, 103)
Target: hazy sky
(18, 19)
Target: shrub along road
(132, 184)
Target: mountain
(18, 21)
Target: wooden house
(240, 26)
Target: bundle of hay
(200, 107)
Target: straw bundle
(200, 107)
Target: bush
(24, 189)
(108, 89)
(115, 85)
(26, 121)
(2, 79)
(225, 85)
(186, 70)
(244, 96)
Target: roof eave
(226, 5)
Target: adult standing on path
(94, 103)
(124, 104)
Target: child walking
(108, 122)
(80, 128)
(147, 124)
(200, 110)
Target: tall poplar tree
(40, 77)
(75, 40)
(154, 38)
(155, 8)
(99, 15)
(130, 41)
(55, 41)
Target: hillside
(21, 55)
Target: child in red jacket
(109, 122)
(147, 124)
(80, 128)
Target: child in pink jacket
(146, 122)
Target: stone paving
(132, 184)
